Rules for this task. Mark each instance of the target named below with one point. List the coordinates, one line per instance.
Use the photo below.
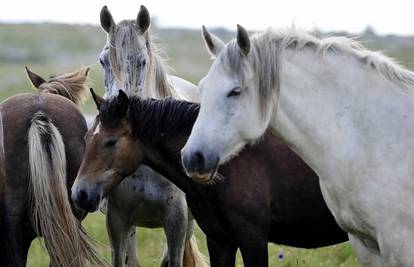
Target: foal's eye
(110, 142)
(235, 92)
(143, 63)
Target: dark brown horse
(256, 201)
(41, 147)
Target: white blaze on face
(97, 129)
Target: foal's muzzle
(86, 197)
(199, 166)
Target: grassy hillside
(51, 48)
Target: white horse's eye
(235, 92)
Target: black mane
(151, 119)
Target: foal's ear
(213, 43)
(35, 79)
(122, 103)
(143, 19)
(97, 99)
(243, 40)
(107, 22)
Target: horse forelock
(266, 70)
(125, 44)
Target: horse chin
(203, 178)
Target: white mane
(267, 49)
(299, 39)
(269, 46)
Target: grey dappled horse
(131, 61)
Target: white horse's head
(125, 56)
(234, 108)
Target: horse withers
(41, 150)
(260, 197)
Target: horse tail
(192, 256)
(66, 241)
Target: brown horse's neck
(162, 122)
(163, 127)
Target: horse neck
(334, 109)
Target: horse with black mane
(41, 147)
(262, 197)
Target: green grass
(150, 243)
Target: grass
(150, 243)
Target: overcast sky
(396, 16)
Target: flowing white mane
(267, 49)
(272, 43)
(298, 39)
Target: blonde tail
(192, 256)
(65, 239)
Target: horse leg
(18, 239)
(118, 234)
(175, 228)
(221, 255)
(132, 259)
(253, 247)
(367, 257)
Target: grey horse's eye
(234, 92)
(101, 61)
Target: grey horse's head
(125, 57)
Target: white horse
(348, 112)
(131, 61)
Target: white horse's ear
(213, 43)
(143, 19)
(243, 40)
(35, 79)
(107, 22)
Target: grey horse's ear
(213, 43)
(35, 79)
(143, 19)
(107, 22)
(97, 99)
(243, 40)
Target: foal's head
(126, 55)
(111, 153)
(72, 85)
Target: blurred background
(57, 36)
